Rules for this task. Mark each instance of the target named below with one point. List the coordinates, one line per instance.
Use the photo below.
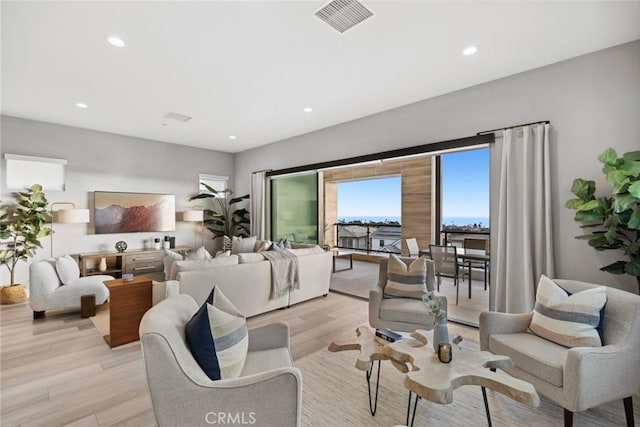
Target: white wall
(593, 102)
(99, 161)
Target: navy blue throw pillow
(218, 338)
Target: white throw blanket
(284, 272)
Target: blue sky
(465, 186)
(465, 190)
(373, 197)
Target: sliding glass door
(294, 207)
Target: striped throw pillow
(569, 320)
(218, 338)
(406, 282)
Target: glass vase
(440, 333)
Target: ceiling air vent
(179, 117)
(343, 15)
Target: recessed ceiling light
(81, 105)
(308, 109)
(232, 137)
(116, 41)
(470, 50)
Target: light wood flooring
(59, 371)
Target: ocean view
(448, 220)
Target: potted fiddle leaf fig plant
(224, 220)
(21, 228)
(613, 221)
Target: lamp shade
(193, 216)
(73, 216)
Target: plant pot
(12, 294)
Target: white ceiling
(249, 68)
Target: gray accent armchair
(576, 378)
(402, 314)
(268, 391)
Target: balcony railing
(361, 237)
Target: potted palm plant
(224, 220)
(21, 229)
(613, 221)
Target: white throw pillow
(569, 320)
(67, 268)
(222, 253)
(169, 258)
(199, 254)
(406, 282)
(243, 244)
(262, 245)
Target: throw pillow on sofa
(199, 254)
(406, 282)
(243, 244)
(218, 338)
(169, 258)
(568, 320)
(67, 268)
(262, 245)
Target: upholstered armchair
(46, 291)
(402, 314)
(576, 378)
(268, 391)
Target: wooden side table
(128, 302)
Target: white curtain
(522, 245)
(258, 218)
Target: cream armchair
(402, 314)
(268, 391)
(576, 378)
(46, 292)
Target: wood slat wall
(416, 186)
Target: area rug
(101, 319)
(335, 394)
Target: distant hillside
(118, 219)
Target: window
(24, 171)
(465, 190)
(381, 243)
(294, 207)
(217, 182)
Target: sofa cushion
(169, 258)
(306, 251)
(187, 265)
(243, 244)
(218, 338)
(67, 269)
(535, 355)
(163, 290)
(199, 254)
(568, 320)
(249, 257)
(266, 360)
(407, 310)
(403, 281)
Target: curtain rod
(400, 152)
(546, 122)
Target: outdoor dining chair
(445, 259)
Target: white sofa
(46, 291)
(248, 285)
